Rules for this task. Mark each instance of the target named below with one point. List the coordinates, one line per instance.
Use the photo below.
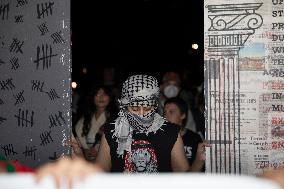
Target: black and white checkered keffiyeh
(137, 90)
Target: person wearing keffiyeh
(140, 140)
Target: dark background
(152, 39)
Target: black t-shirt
(191, 141)
(150, 153)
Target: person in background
(111, 79)
(171, 87)
(140, 140)
(87, 131)
(175, 111)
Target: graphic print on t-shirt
(188, 151)
(142, 158)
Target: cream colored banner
(244, 70)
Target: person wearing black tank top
(140, 140)
(175, 111)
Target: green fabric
(2, 158)
(9, 166)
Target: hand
(276, 175)
(76, 147)
(201, 149)
(200, 158)
(68, 169)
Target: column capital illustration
(232, 24)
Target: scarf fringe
(123, 132)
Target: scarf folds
(123, 130)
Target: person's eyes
(147, 109)
(172, 112)
(135, 108)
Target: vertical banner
(244, 70)
(34, 81)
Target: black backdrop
(150, 40)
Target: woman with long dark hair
(100, 109)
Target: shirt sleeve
(172, 131)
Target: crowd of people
(138, 139)
(169, 113)
(144, 130)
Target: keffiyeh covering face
(138, 91)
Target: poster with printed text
(244, 85)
